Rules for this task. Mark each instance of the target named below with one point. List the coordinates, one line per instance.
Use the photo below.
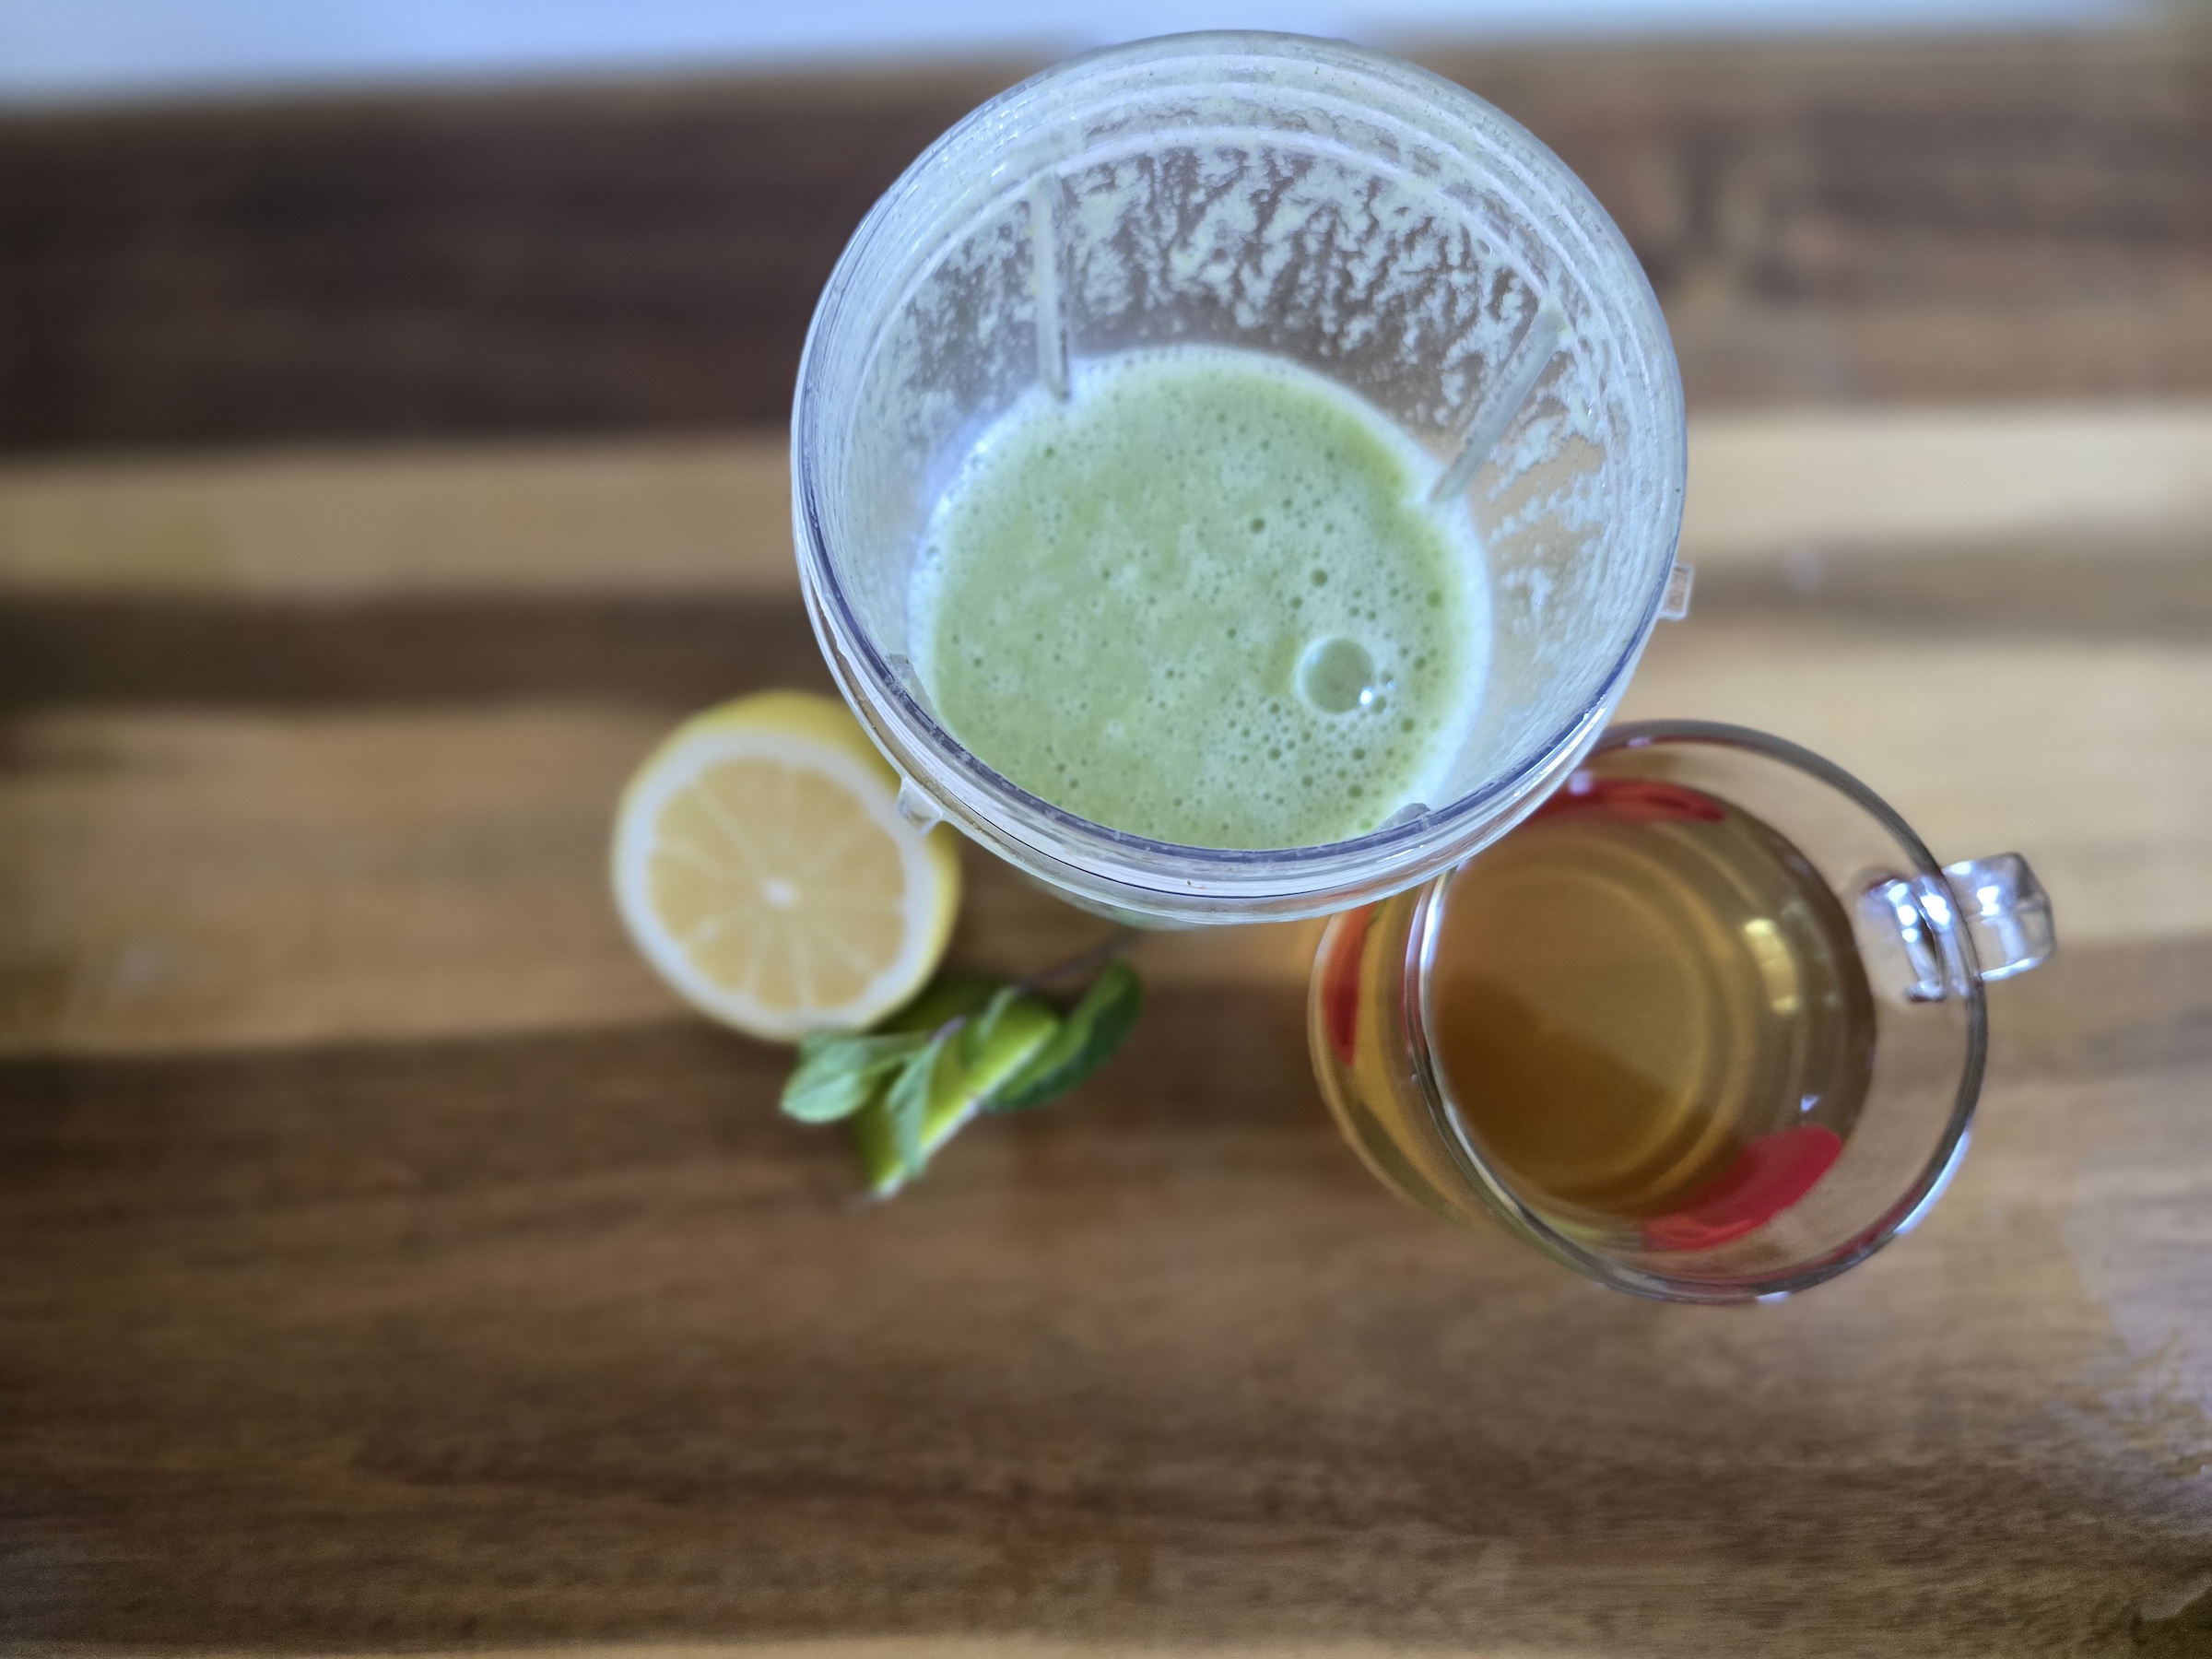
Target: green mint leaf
(877, 1148)
(838, 1074)
(908, 1103)
(949, 997)
(982, 1026)
(894, 1134)
(1086, 1041)
(1003, 1041)
(969, 1042)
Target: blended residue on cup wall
(1406, 287)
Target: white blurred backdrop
(121, 50)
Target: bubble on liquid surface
(1337, 675)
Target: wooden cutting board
(387, 1263)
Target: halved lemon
(762, 867)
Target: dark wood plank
(1897, 220)
(678, 652)
(443, 263)
(2149, 589)
(1916, 219)
(570, 1338)
(684, 651)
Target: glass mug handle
(2002, 907)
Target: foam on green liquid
(1203, 600)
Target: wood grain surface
(387, 1264)
(1858, 220)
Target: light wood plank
(200, 881)
(2094, 757)
(612, 516)
(712, 515)
(205, 879)
(1775, 479)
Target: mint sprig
(837, 1074)
(1094, 1028)
(969, 1043)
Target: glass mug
(1330, 206)
(1709, 1026)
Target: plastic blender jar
(1360, 216)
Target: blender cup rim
(1314, 878)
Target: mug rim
(1962, 968)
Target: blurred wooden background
(387, 1264)
(1984, 219)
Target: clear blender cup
(1357, 215)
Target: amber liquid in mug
(1648, 1008)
